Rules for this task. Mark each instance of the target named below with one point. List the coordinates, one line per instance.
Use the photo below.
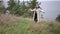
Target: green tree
(33, 3)
(21, 9)
(12, 4)
(2, 9)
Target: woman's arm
(31, 9)
(43, 11)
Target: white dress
(39, 13)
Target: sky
(38, 0)
(51, 8)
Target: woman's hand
(30, 9)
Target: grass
(18, 28)
(27, 26)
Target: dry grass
(27, 26)
(48, 27)
(8, 19)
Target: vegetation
(11, 24)
(2, 9)
(58, 18)
(20, 25)
(17, 8)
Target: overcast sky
(37, 0)
(52, 8)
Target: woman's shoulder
(39, 9)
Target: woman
(37, 13)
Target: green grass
(18, 28)
(21, 27)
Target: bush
(58, 18)
(2, 9)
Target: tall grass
(45, 28)
(10, 24)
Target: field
(19, 25)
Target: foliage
(21, 9)
(12, 6)
(58, 18)
(2, 9)
(27, 26)
(33, 4)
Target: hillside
(10, 24)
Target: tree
(21, 9)
(12, 4)
(2, 9)
(33, 4)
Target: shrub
(58, 18)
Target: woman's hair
(39, 7)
